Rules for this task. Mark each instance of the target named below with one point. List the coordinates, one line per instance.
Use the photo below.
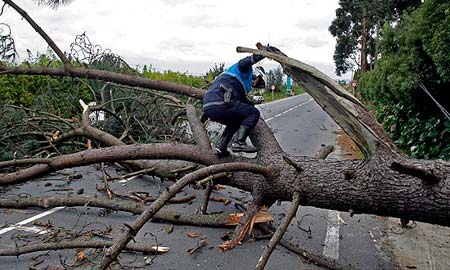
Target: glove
(272, 48)
(249, 101)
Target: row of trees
(404, 52)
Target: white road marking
(331, 247)
(128, 179)
(288, 110)
(31, 219)
(19, 225)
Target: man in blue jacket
(226, 102)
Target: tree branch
(279, 233)
(109, 76)
(30, 248)
(216, 220)
(41, 32)
(112, 154)
(198, 129)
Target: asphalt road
(301, 128)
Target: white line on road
(331, 248)
(31, 219)
(128, 179)
(288, 110)
(20, 226)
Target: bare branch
(103, 75)
(112, 154)
(200, 135)
(279, 233)
(41, 32)
(132, 230)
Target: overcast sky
(184, 35)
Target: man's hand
(269, 48)
(272, 48)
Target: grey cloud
(315, 41)
(321, 23)
(208, 22)
(104, 12)
(176, 45)
(175, 2)
(190, 67)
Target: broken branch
(29, 248)
(279, 233)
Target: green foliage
(420, 138)
(214, 72)
(176, 77)
(55, 95)
(347, 27)
(417, 49)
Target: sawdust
(350, 149)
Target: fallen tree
(385, 182)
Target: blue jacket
(238, 77)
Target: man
(226, 102)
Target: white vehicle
(257, 99)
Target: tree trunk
(363, 40)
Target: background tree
(275, 77)
(215, 71)
(356, 26)
(414, 52)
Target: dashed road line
(331, 247)
(288, 110)
(128, 179)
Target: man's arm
(245, 64)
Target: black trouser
(233, 115)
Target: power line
(444, 111)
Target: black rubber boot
(221, 148)
(240, 145)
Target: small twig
(140, 172)
(105, 181)
(212, 178)
(325, 151)
(197, 247)
(245, 224)
(206, 198)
